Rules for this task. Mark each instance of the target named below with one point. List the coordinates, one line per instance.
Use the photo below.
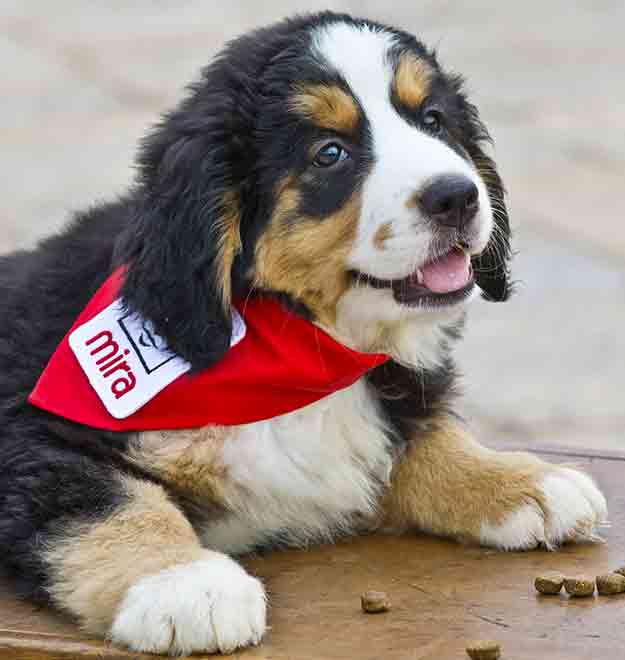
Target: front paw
(564, 505)
(208, 605)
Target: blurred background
(82, 81)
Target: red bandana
(281, 364)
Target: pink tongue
(449, 273)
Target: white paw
(571, 510)
(208, 605)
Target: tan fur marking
(189, 461)
(328, 106)
(449, 484)
(93, 565)
(306, 257)
(413, 201)
(412, 80)
(383, 234)
(229, 243)
(485, 168)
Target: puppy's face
(326, 160)
(376, 202)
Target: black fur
(411, 399)
(47, 474)
(226, 138)
(231, 136)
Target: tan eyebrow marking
(328, 106)
(412, 80)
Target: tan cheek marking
(229, 243)
(94, 564)
(188, 461)
(306, 257)
(328, 106)
(383, 234)
(412, 80)
(449, 484)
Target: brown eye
(330, 154)
(432, 121)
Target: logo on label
(150, 348)
(126, 362)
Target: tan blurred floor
(81, 82)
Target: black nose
(451, 200)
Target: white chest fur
(304, 476)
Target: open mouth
(446, 280)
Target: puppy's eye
(432, 121)
(330, 154)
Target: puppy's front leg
(140, 577)
(450, 485)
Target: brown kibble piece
(613, 583)
(373, 602)
(549, 584)
(484, 650)
(579, 587)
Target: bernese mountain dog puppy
(331, 164)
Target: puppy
(328, 163)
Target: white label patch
(126, 362)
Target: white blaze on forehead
(405, 158)
(360, 55)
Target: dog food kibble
(484, 650)
(614, 583)
(579, 587)
(549, 584)
(375, 601)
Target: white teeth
(419, 276)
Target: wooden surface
(442, 595)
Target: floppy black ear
(491, 268)
(184, 237)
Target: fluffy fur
(295, 168)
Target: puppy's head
(329, 161)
